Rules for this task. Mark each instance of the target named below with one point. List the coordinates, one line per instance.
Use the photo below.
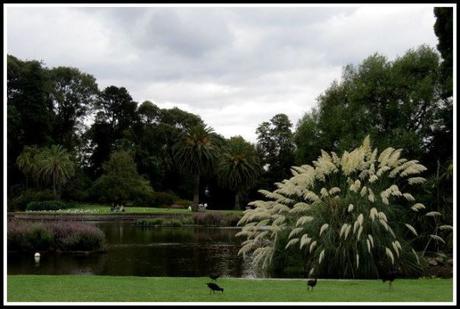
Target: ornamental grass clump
(349, 215)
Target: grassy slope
(149, 289)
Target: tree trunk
(196, 193)
(237, 201)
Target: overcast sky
(235, 67)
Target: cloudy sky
(235, 67)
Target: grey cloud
(236, 67)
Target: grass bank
(97, 209)
(68, 288)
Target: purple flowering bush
(63, 236)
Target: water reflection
(146, 251)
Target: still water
(146, 251)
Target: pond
(146, 251)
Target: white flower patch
(323, 228)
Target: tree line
(82, 143)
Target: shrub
(120, 182)
(163, 199)
(351, 216)
(65, 236)
(48, 205)
(20, 202)
(28, 237)
(77, 236)
(154, 199)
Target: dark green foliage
(29, 108)
(162, 199)
(149, 113)
(275, 146)
(443, 28)
(399, 103)
(48, 205)
(120, 182)
(78, 187)
(196, 153)
(73, 94)
(28, 93)
(20, 202)
(115, 118)
(378, 97)
(238, 167)
(154, 199)
(49, 166)
(286, 261)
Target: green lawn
(104, 209)
(68, 288)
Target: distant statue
(37, 258)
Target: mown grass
(68, 288)
(98, 209)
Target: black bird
(214, 276)
(311, 283)
(389, 276)
(214, 287)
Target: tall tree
(396, 102)
(149, 113)
(55, 166)
(28, 163)
(238, 167)
(275, 146)
(120, 181)
(443, 28)
(29, 112)
(307, 138)
(28, 89)
(196, 154)
(73, 94)
(116, 115)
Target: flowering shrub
(65, 236)
(349, 216)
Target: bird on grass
(389, 276)
(214, 287)
(311, 283)
(214, 276)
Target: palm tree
(56, 166)
(195, 154)
(27, 162)
(238, 167)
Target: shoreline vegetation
(96, 212)
(57, 236)
(87, 288)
